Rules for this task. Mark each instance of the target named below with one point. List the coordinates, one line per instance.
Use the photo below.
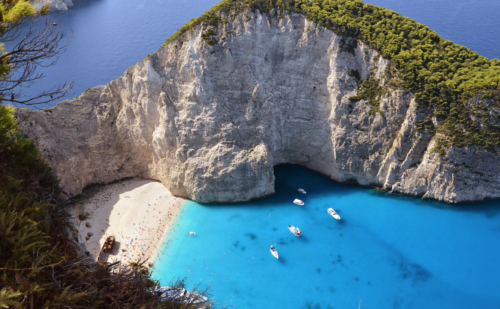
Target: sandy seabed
(137, 212)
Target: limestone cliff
(54, 5)
(211, 121)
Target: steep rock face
(210, 122)
(54, 5)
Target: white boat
(274, 252)
(333, 213)
(298, 202)
(302, 191)
(191, 233)
(295, 230)
(181, 295)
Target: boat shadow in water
(303, 238)
(341, 222)
(282, 260)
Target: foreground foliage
(452, 84)
(40, 265)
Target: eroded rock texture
(210, 122)
(54, 5)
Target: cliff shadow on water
(290, 177)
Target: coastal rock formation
(211, 113)
(54, 5)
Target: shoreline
(139, 213)
(166, 232)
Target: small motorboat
(298, 202)
(295, 230)
(274, 252)
(191, 233)
(302, 191)
(333, 213)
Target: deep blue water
(112, 35)
(390, 251)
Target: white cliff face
(210, 122)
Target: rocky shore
(54, 5)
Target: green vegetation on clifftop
(451, 83)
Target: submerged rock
(211, 113)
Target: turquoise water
(390, 251)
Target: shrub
(40, 265)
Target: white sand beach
(137, 212)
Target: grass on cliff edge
(40, 265)
(451, 83)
